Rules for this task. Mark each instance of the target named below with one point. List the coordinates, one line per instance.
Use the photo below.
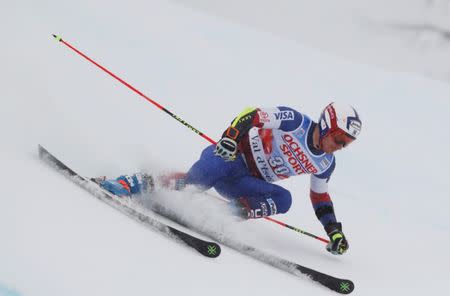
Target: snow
(389, 187)
(401, 35)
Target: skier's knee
(283, 201)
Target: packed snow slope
(400, 35)
(389, 188)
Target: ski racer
(260, 147)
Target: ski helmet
(339, 118)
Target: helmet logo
(353, 126)
(323, 124)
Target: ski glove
(226, 148)
(240, 208)
(338, 244)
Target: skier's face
(335, 141)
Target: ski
(209, 249)
(342, 286)
(206, 248)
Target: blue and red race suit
(274, 144)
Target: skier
(265, 145)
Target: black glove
(338, 244)
(226, 148)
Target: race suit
(274, 144)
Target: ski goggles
(341, 138)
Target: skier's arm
(321, 200)
(283, 118)
(227, 145)
(323, 207)
(242, 123)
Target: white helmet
(338, 117)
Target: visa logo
(284, 115)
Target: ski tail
(341, 286)
(206, 248)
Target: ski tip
(345, 287)
(211, 250)
(41, 150)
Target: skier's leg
(172, 180)
(210, 169)
(261, 198)
(203, 174)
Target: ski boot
(127, 185)
(98, 180)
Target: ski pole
(297, 229)
(278, 222)
(59, 39)
(179, 119)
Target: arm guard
(247, 119)
(320, 199)
(323, 207)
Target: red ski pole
(279, 222)
(59, 39)
(297, 229)
(179, 119)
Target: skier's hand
(338, 244)
(226, 148)
(240, 208)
